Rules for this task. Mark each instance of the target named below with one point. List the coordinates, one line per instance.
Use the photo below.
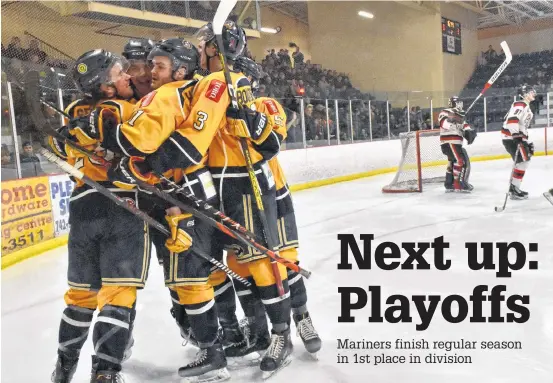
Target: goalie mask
(455, 103)
(96, 68)
(527, 92)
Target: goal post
(422, 162)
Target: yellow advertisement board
(26, 213)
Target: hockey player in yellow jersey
(108, 246)
(222, 128)
(287, 228)
(152, 145)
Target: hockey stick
(500, 209)
(223, 11)
(235, 231)
(506, 62)
(549, 196)
(71, 170)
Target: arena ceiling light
(270, 30)
(365, 14)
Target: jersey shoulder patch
(271, 107)
(147, 99)
(215, 90)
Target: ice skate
(308, 334)
(516, 193)
(209, 366)
(106, 376)
(249, 351)
(65, 369)
(278, 355)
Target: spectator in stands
(297, 55)
(15, 50)
(6, 156)
(309, 123)
(30, 163)
(490, 55)
(34, 54)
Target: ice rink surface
(32, 291)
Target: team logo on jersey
(147, 99)
(271, 106)
(215, 90)
(186, 44)
(82, 68)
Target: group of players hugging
(454, 129)
(163, 112)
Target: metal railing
(311, 122)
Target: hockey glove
(57, 145)
(247, 123)
(469, 133)
(180, 240)
(125, 173)
(89, 130)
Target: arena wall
(399, 49)
(324, 165)
(520, 40)
(292, 31)
(457, 69)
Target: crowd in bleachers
(534, 68)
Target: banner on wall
(61, 188)
(26, 213)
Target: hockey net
(422, 162)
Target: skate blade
(250, 360)
(515, 198)
(219, 375)
(267, 374)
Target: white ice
(32, 291)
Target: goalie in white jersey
(515, 138)
(453, 130)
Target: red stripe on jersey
(519, 172)
(513, 120)
(451, 138)
(505, 132)
(520, 103)
(215, 90)
(459, 159)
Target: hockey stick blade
(495, 76)
(222, 14)
(549, 197)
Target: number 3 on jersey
(200, 119)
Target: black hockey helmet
(138, 49)
(456, 103)
(182, 53)
(525, 89)
(234, 38)
(250, 68)
(93, 68)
